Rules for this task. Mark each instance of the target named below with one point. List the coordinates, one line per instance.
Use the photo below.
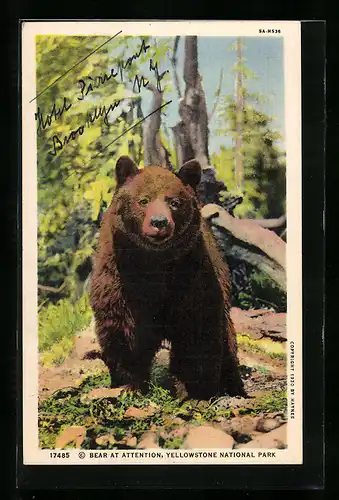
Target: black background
(32, 480)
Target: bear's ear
(124, 169)
(190, 173)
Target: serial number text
(274, 31)
(55, 454)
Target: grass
(271, 402)
(172, 444)
(268, 347)
(107, 416)
(262, 370)
(58, 325)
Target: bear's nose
(159, 221)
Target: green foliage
(172, 443)
(76, 177)
(57, 353)
(262, 370)
(264, 162)
(106, 415)
(75, 184)
(275, 401)
(160, 375)
(266, 289)
(58, 324)
(268, 347)
(261, 292)
(91, 382)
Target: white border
(290, 31)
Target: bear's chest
(153, 283)
(146, 286)
(143, 279)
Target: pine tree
(254, 167)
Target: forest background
(162, 101)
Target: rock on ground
(105, 439)
(206, 436)
(240, 428)
(276, 438)
(104, 392)
(259, 323)
(148, 440)
(132, 442)
(268, 424)
(140, 413)
(76, 434)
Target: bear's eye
(143, 201)
(175, 203)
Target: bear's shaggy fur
(158, 275)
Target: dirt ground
(257, 324)
(262, 369)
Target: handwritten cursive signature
(87, 85)
(99, 80)
(141, 82)
(92, 116)
(154, 67)
(55, 113)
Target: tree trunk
(192, 109)
(191, 133)
(154, 151)
(135, 113)
(239, 100)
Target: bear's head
(155, 208)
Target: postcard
(161, 231)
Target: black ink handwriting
(131, 128)
(87, 85)
(58, 145)
(75, 65)
(86, 167)
(139, 83)
(154, 67)
(54, 114)
(102, 111)
(99, 80)
(143, 49)
(92, 116)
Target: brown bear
(157, 275)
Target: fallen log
(247, 240)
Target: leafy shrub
(57, 353)
(263, 370)
(267, 291)
(275, 401)
(260, 292)
(58, 324)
